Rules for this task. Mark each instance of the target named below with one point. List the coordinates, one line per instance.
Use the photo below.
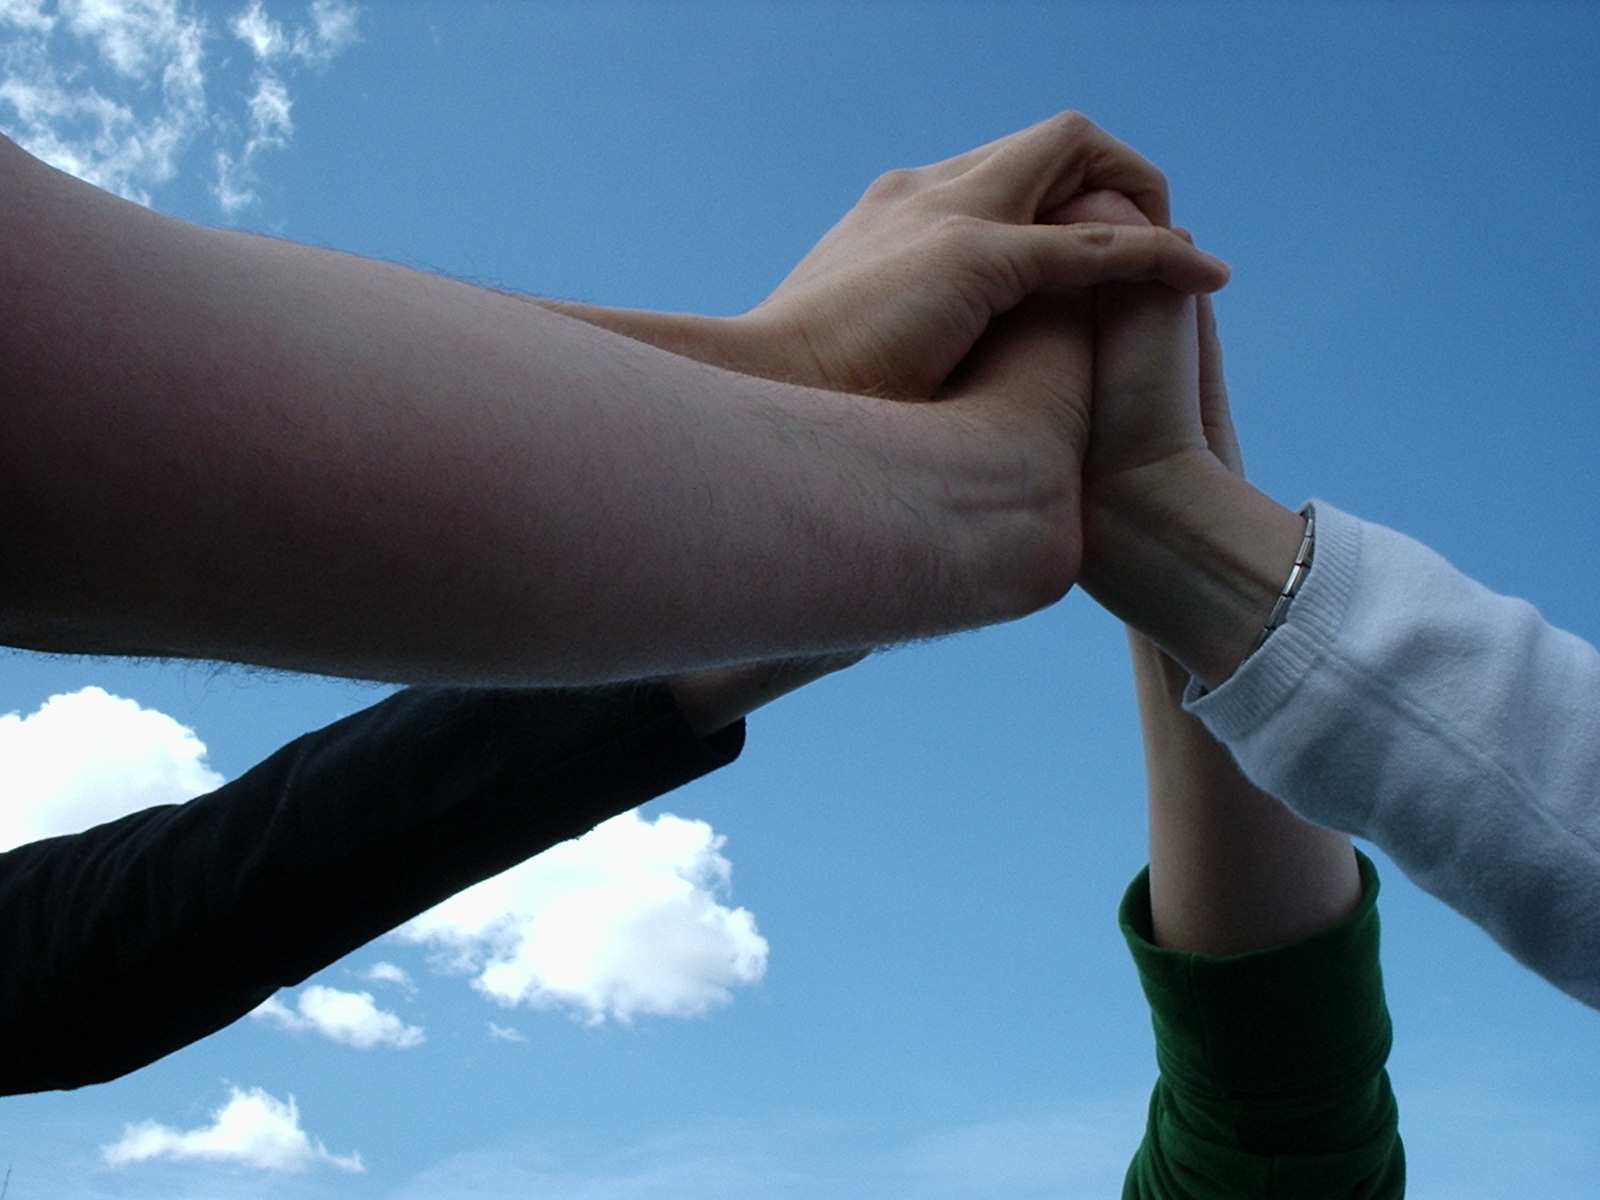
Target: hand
(1176, 543)
(1216, 416)
(1000, 455)
(900, 290)
(898, 293)
(1231, 869)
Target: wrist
(1191, 555)
(737, 344)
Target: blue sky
(929, 849)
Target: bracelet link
(1297, 576)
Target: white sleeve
(1452, 727)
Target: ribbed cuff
(1265, 680)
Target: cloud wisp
(622, 922)
(268, 110)
(117, 92)
(388, 973)
(88, 757)
(253, 1129)
(349, 1018)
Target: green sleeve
(1272, 1067)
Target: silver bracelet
(1297, 576)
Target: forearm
(226, 446)
(745, 343)
(1231, 869)
(131, 939)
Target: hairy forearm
(226, 446)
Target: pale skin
(1177, 543)
(231, 447)
(1231, 869)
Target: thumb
(1215, 414)
(1037, 360)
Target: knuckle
(893, 185)
(1072, 125)
(954, 230)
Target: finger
(956, 166)
(906, 181)
(1105, 207)
(1086, 255)
(1215, 415)
(1042, 167)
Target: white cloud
(115, 91)
(26, 15)
(623, 921)
(90, 757)
(252, 1129)
(270, 124)
(336, 27)
(333, 29)
(135, 38)
(350, 1018)
(387, 972)
(121, 100)
(504, 1033)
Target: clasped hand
(970, 280)
(979, 283)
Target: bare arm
(225, 446)
(1231, 869)
(1178, 544)
(1271, 1041)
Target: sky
(898, 972)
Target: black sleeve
(125, 942)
